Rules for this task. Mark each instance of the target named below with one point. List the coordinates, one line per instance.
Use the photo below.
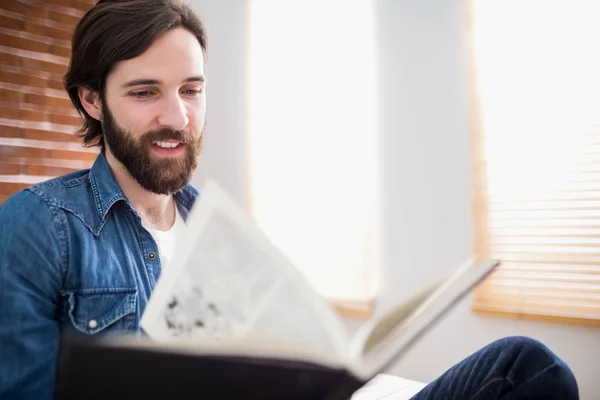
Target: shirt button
(92, 324)
(151, 255)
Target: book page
(228, 281)
(388, 387)
(393, 319)
(383, 340)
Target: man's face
(153, 112)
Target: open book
(230, 294)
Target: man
(84, 251)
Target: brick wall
(37, 120)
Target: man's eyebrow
(197, 78)
(137, 82)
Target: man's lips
(168, 147)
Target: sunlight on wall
(313, 138)
(539, 81)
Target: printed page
(227, 280)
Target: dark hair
(114, 31)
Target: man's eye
(141, 93)
(192, 92)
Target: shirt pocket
(94, 311)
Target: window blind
(536, 138)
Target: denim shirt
(73, 255)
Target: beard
(163, 176)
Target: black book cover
(89, 370)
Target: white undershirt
(166, 239)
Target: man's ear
(91, 102)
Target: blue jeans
(513, 368)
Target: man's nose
(174, 114)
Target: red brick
(16, 42)
(63, 18)
(9, 151)
(47, 100)
(59, 102)
(15, 6)
(60, 51)
(56, 84)
(10, 131)
(10, 168)
(35, 98)
(29, 10)
(22, 79)
(47, 170)
(9, 188)
(65, 119)
(9, 112)
(37, 134)
(33, 115)
(34, 152)
(43, 65)
(11, 95)
(64, 3)
(82, 5)
(45, 30)
(21, 151)
(37, 11)
(73, 155)
(9, 59)
(10, 22)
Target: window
(313, 139)
(537, 157)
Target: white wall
(427, 195)
(426, 184)
(225, 156)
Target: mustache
(183, 136)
